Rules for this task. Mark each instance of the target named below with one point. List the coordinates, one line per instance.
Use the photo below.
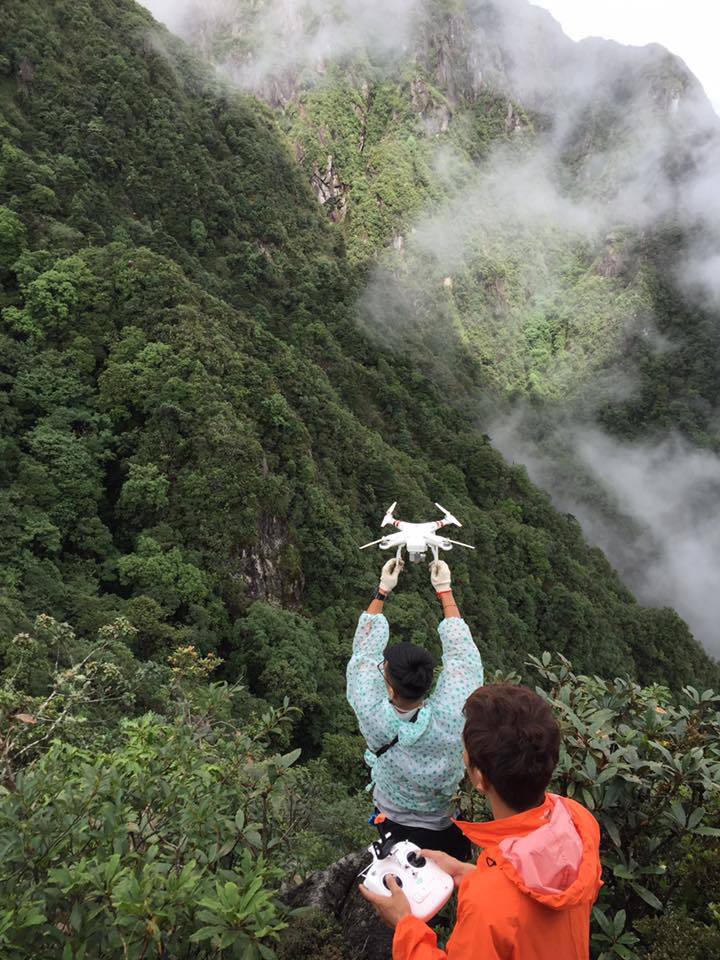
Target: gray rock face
(334, 891)
(264, 568)
(330, 190)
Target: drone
(417, 537)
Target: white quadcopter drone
(417, 537)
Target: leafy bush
(163, 843)
(647, 764)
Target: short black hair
(513, 739)
(409, 669)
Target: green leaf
(205, 933)
(289, 758)
(604, 922)
(226, 848)
(647, 895)
(624, 952)
(253, 838)
(607, 773)
(611, 828)
(677, 811)
(619, 922)
(228, 937)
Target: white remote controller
(427, 887)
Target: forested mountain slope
(544, 210)
(195, 434)
(535, 195)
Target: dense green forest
(407, 152)
(196, 436)
(530, 212)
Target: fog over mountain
(658, 169)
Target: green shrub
(164, 840)
(647, 763)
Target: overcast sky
(687, 27)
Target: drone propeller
(459, 544)
(449, 518)
(389, 518)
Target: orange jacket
(530, 895)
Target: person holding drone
(414, 737)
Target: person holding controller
(530, 894)
(414, 737)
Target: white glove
(390, 574)
(440, 576)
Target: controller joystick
(427, 887)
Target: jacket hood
(407, 733)
(550, 852)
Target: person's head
(512, 744)
(408, 672)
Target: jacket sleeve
(472, 939)
(414, 940)
(366, 691)
(462, 667)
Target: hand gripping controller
(427, 887)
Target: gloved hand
(440, 576)
(390, 574)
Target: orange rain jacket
(530, 896)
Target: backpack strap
(389, 746)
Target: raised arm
(440, 578)
(366, 690)
(462, 664)
(388, 581)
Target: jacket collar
(492, 832)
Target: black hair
(409, 670)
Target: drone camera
(415, 556)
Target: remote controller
(427, 887)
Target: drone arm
(389, 518)
(372, 543)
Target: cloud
(681, 27)
(275, 38)
(173, 13)
(508, 226)
(651, 506)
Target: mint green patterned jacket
(424, 768)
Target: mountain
(196, 434)
(197, 430)
(538, 220)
